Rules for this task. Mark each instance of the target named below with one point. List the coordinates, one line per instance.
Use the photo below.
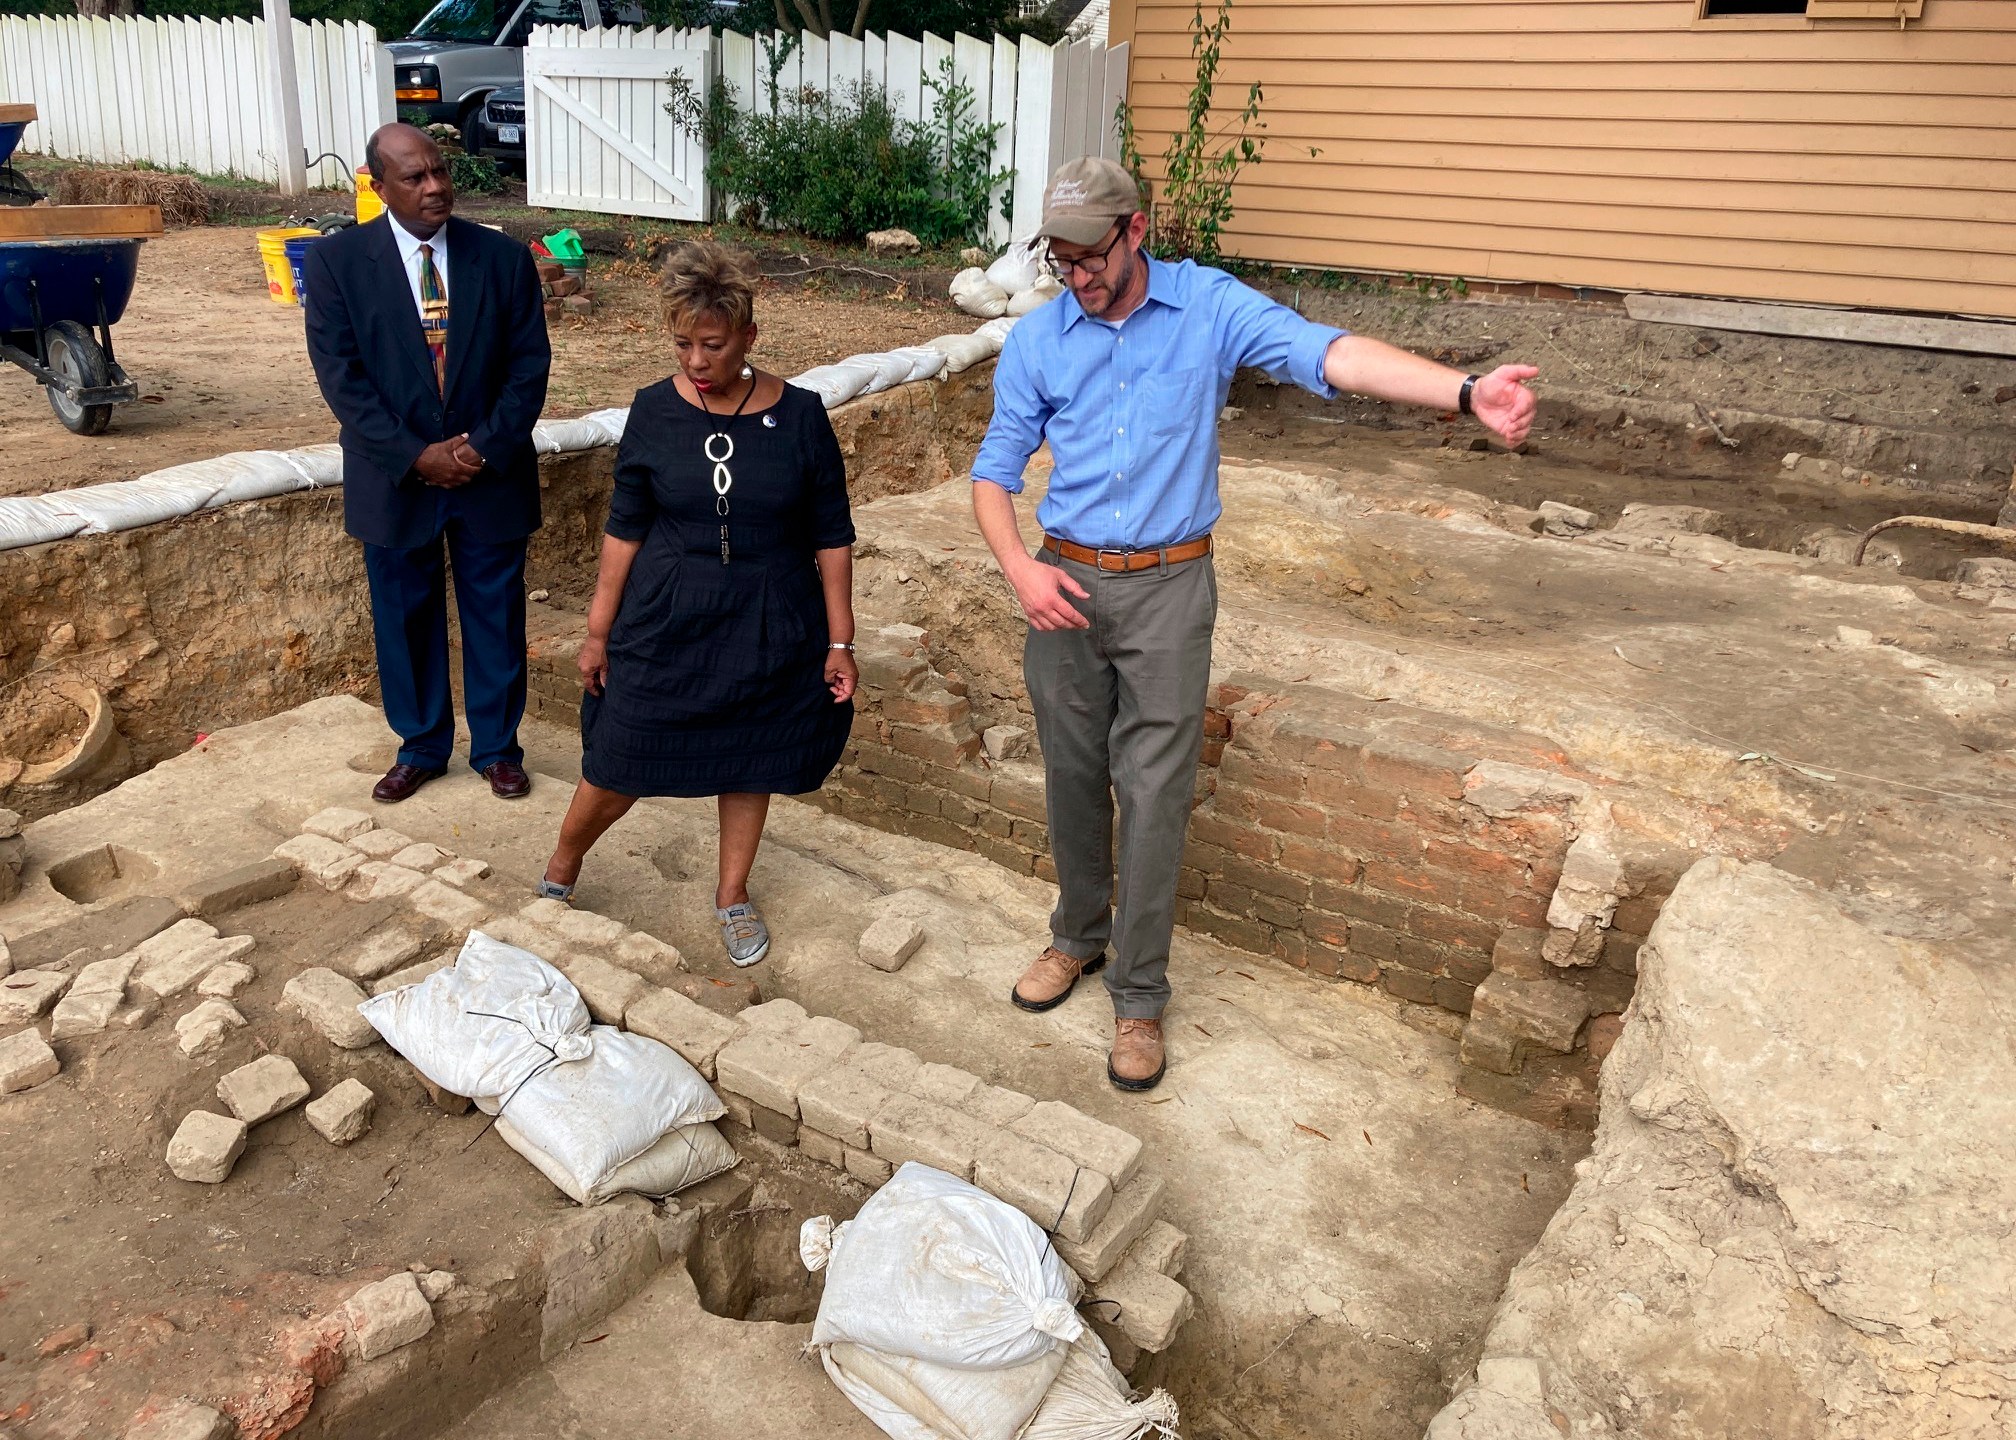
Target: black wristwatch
(1463, 395)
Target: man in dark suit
(428, 337)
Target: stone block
(422, 856)
(889, 943)
(462, 873)
(139, 1017)
(887, 1065)
(823, 1148)
(1005, 742)
(411, 975)
(203, 1030)
(773, 1015)
(1070, 1132)
(690, 1028)
(1091, 1201)
(773, 1125)
(117, 929)
(1161, 1248)
(182, 954)
(1135, 1207)
(179, 1420)
(828, 1036)
(266, 879)
(736, 1108)
(325, 861)
(343, 1113)
(380, 952)
(338, 823)
(842, 1102)
(329, 1002)
(448, 905)
(868, 1167)
(436, 1283)
(518, 931)
(1042, 1184)
(1151, 1307)
(769, 1068)
(992, 1105)
(226, 980)
(944, 1084)
(907, 1128)
(26, 1061)
(269, 1086)
(86, 1014)
(1545, 1012)
(649, 956)
(607, 990)
(585, 927)
(382, 880)
(205, 1147)
(379, 844)
(1564, 521)
(1124, 1353)
(386, 1315)
(545, 913)
(1519, 953)
(26, 995)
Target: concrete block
(690, 1028)
(1090, 1142)
(992, 1105)
(1042, 1184)
(86, 1014)
(867, 1167)
(585, 927)
(842, 1102)
(226, 980)
(449, 905)
(382, 880)
(889, 943)
(343, 1113)
(608, 990)
(649, 956)
(1161, 1248)
(411, 975)
(772, 1015)
(338, 823)
(422, 856)
(179, 1420)
(388, 1314)
(907, 1128)
(1150, 1306)
(769, 1068)
(26, 1061)
(887, 1065)
(823, 1148)
(27, 995)
(205, 1147)
(944, 1084)
(203, 1030)
(266, 879)
(1135, 1207)
(269, 1086)
(379, 844)
(461, 873)
(329, 1002)
(380, 952)
(325, 861)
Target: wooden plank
(1864, 327)
(16, 114)
(80, 222)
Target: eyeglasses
(1093, 264)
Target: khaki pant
(1120, 716)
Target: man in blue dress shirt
(1125, 377)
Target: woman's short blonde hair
(701, 277)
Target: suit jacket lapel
(413, 340)
(465, 292)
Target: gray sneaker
(744, 933)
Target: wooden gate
(597, 135)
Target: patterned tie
(434, 316)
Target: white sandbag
(127, 504)
(611, 423)
(996, 331)
(592, 1115)
(835, 385)
(974, 293)
(1045, 290)
(482, 1026)
(936, 1269)
(680, 1159)
(1090, 1400)
(262, 474)
(925, 363)
(916, 1400)
(889, 371)
(32, 520)
(1017, 268)
(962, 352)
(555, 437)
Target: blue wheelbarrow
(14, 186)
(66, 274)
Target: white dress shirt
(409, 256)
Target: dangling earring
(747, 372)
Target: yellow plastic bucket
(273, 256)
(369, 206)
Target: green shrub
(474, 174)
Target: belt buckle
(1099, 558)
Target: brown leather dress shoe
(508, 780)
(1138, 1058)
(1047, 983)
(401, 781)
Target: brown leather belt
(1128, 561)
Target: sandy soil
(221, 368)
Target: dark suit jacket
(371, 361)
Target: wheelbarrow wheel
(80, 360)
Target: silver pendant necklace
(724, 478)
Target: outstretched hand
(1502, 403)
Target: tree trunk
(860, 25)
(98, 9)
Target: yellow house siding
(1625, 144)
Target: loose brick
(337, 823)
(889, 943)
(696, 1032)
(1151, 1306)
(329, 1002)
(907, 1129)
(204, 1030)
(27, 995)
(461, 873)
(89, 1013)
(1545, 1012)
(182, 954)
(608, 990)
(823, 1148)
(205, 1146)
(1111, 1151)
(382, 880)
(344, 1113)
(26, 1061)
(1042, 1184)
(422, 856)
(773, 1015)
(379, 953)
(268, 1086)
(943, 1084)
(842, 1102)
(389, 1314)
(1135, 1207)
(868, 1168)
(247, 885)
(769, 1068)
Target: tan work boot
(1048, 982)
(1138, 1059)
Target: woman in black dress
(719, 658)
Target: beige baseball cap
(1084, 198)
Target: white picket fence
(598, 138)
(191, 92)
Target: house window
(1718, 9)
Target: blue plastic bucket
(297, 255)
